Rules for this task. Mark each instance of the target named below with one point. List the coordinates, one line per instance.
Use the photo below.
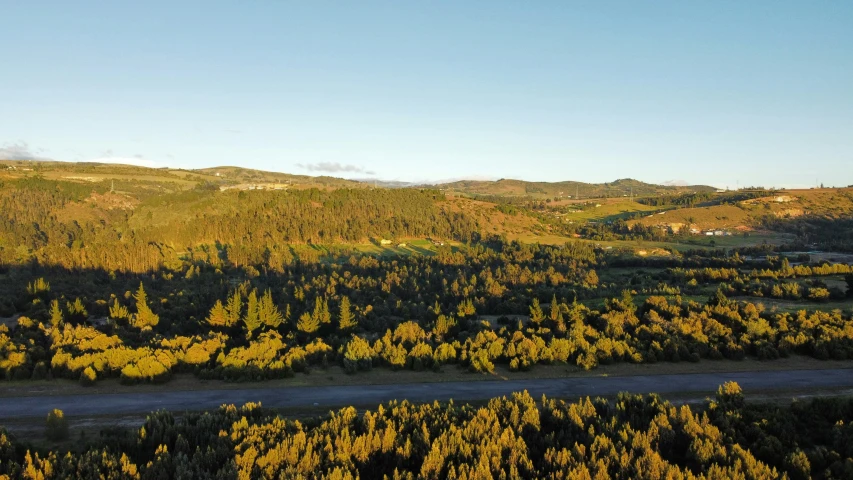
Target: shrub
(56, 427)
(88, 377)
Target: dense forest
(471, 308)
(513, 437)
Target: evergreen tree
(118, 311)
(536, 313)
(307, 323)
(55, 314)
(346, 319)
(251, 319)
(234, 310)
(555, 309)
(321, 311)
(218, 315)
(268, 312)
(144, 318)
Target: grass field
(797, 305)
(607, 210)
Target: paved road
(370, 395)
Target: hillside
(745, 215)
(567, 189)
(87, 215)
(167, 179)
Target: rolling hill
(567, 189)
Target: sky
(723, 93)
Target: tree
(38, 286)
(358, 355)
(730, 395)
(56, 426)
(443, 324)
(118, 311)
(321, 311)
(55, 314)
(556, 313)
(268, 312)
(144, 318)
(465, 308)
(76, 311)
(536, 313)
(234, 309)
(591, 278)
(346, 320)
(307, 323)
(218, 315)
(251, 319)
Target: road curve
(368, 395)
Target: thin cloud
(19, 151)
(334, 167)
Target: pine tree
(218, 315)
(307, 323)
(346, 320)
(55, 314)
(536, 314)
(144, 318)
(465, 308)
(76, 311)
(234, 310)
(555, 309)
(268, 312)
(251, 319)
(118, 311)
(321, 311)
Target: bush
(88, 377)
(56, 427)
(40, 371)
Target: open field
(797, 305)
(605, 210)
(682, 244)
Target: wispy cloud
(19, 151)
(334, 167)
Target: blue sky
(721, 93)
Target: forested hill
(568, 189)
(89, 226)
(122, 217)
(129, 218)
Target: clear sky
(712, 92)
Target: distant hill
(567, 189)
(165, 179)
(181, 179)
(247, 175)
